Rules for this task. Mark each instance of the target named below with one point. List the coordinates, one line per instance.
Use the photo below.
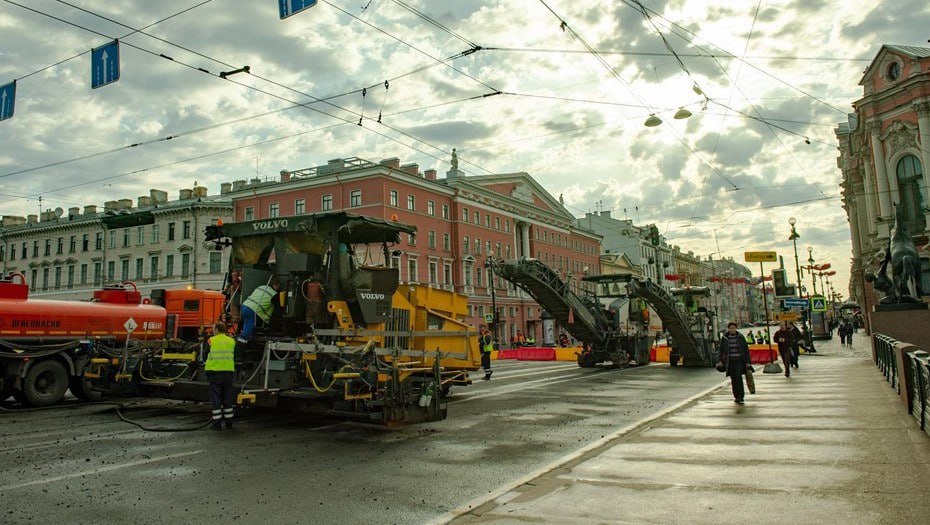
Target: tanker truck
(45, 345)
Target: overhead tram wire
(294, 103)
(430, 20)
(724, 55)
(212, 127)
(565, 26)
(673, 25)
(60, 62)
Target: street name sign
(761, 257)
(795, 302)
(787, 316)
(287, 8)
(818, 303)
(104, 65)
(7, 100)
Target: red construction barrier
(652, 355)
(506, 354)
(533, 353)
(760, 356)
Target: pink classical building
(461, 221)
(884, 154)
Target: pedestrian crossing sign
(818, 304)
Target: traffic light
(654, 235)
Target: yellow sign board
(787, 316)
(761, 257)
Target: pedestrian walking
(487, 346)
(785, 341)
(796, 343)
(841, 331)
(733, 352)
(220, 368)
(849, 333)
(259, 305)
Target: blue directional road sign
(7, 100)
(818, 303)
(104, 64)
(292, 7)
(795, 302)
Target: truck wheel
(81, 388)
(45, 383)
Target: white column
(525, 237)
(923, 126)
(868, 195)
(857, 240)
(881, 174)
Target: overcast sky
(724, 181)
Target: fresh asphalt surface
(82, 465)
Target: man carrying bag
(733, 357)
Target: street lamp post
(810, 310)
(794, 240)
(810, 260)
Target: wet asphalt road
(83, 465)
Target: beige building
(884, 153)
(157, 244)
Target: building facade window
(72, 244)
(411, 203)
(466, 244)
(464, 214)
(185, 264)
(48, 247)
(216, 262)
(249, 214)
(446, 273)
(446, 242)
(35, 248)
(169, 266)
(140, 268)
(433, 273)
(70, 281)
(355, 198)
(910, 192)
(61, 246)
(98, 273)
(412, 271)
(392, 198)
(445, 211)
(83, 274)
(155, 233)
(430, 208)
(300, 207)
(170, 231)
(432, 239)
(153, 267)
(85, 242)
(58, 277)
(326, 203)
(98, 241)
(34, 282)
(411, 239)
(44, 279)
(127, 236)
(124, 270)
(273, 210)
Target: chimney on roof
(32, 218)
(225, 188)
(255, 181)
(185, 194)
(238, 185)
(158, 196)
(143, 201)
(124, 204)
(90, 209)
(391, 162)
(412, 168)
(605, 213)
(110, 205)
(285, 176)
(430, 174)
(200, 191)
(74, 212)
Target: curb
(509, 486)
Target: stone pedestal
(909, 326)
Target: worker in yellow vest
(259, 305)
(221, 372)
(486, 343)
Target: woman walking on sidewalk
(785, 341)
(733, 352)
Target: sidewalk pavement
(830, 444)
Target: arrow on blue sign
(104, 65)
(292, 7)
(7, 100)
